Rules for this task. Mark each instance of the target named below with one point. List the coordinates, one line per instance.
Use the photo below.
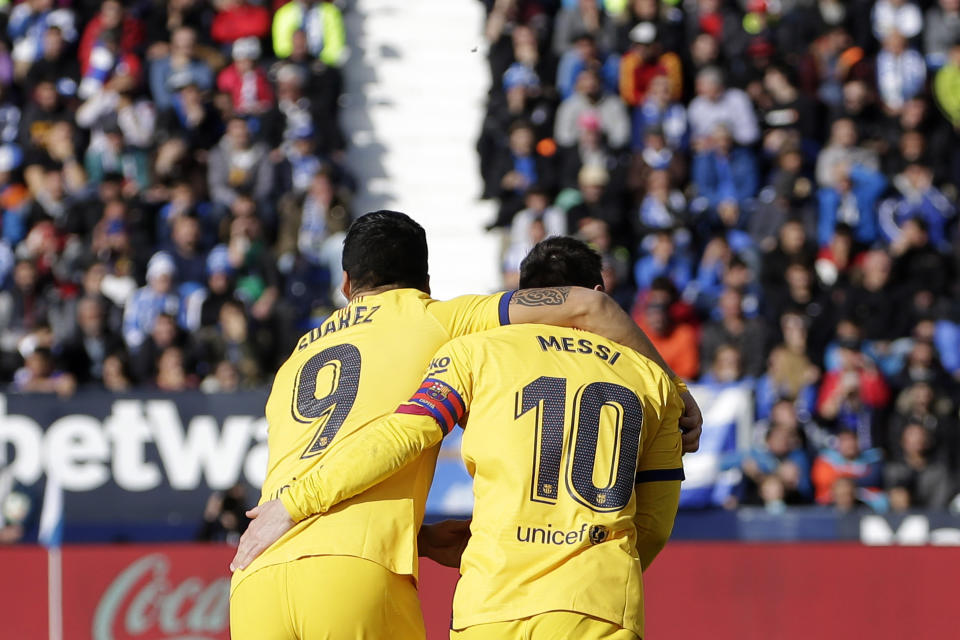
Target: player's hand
(691, 423)
(444, 542)
(270, 522)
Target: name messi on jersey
(581, 345)
(349, 317)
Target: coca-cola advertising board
(162, 592)
(166, 592)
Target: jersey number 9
(330, 409)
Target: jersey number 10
(548, 397)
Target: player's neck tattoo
(548, 297)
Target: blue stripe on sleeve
(660, 475)
(504, 311)
(442, 420)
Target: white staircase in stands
(416, 83)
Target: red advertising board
(801, 591)
(23, 592)
(716, 590)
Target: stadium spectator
(717, 105)
(125, 31)
(224, 379)
(190, 124)
(724, 369)
(845, 499)
(643, 62)
(848, 460)
(591, 97)
(722, 173)
(597, 201)
(536, 222)
(834, 262)
(239, 164)
(661, 206)
(29, 24)
(223, 516)
(518, 168)
(919, 199)
(660, 110)
(321, 22)
(164, 334)
(871, 303)
(115, 376)
(851, 396)
(182, 60)
(747, 335)
(148, 302)
(232, 343)
(582, 54)
(926, 482)
(790, 373)
(852, 200)
(573, 19)
(172, 374)
(783, 458)
(901, 71)
(20, 508)
(941, 31)
(663, 259)
(54, 61)
(591, 149)
(87, 350)
(842, 151)
(675, 341)
(245, 82)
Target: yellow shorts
(552, 625)
(326, 598)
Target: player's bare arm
(444, 542)
(598, 313)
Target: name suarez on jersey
(575, 345)
(348, 317)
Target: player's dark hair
(386, 248)
(561, 262)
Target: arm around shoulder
(361, 461)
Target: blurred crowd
(172, 189)
(772, 185)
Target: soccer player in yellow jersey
(351, 573)
(573, 445)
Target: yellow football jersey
(559, 427)
(364, 360)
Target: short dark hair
(386, 248)
(561, 261)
